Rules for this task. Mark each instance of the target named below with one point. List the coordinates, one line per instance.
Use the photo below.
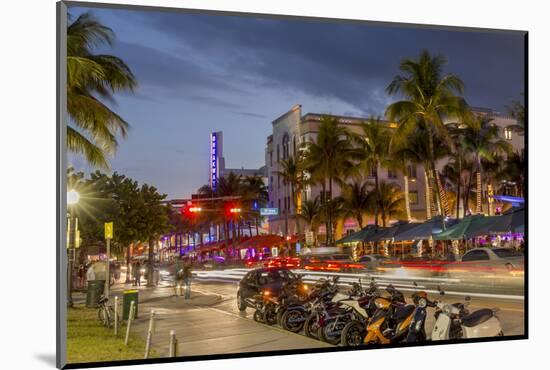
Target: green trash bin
(127, 297)
(95, 290)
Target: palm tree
(481, 139)
(328, 159)
(93, 127)
(311, 214)
(292, 174)
(517, 111)
(429, 97)
(391, 201)
(256, 191)
(513, 172)
(355, 201)
(373, 151)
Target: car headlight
(422, 302)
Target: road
(210, 323)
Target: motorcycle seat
(403, 312)
(477, 317)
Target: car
(375, 261)
(331, 262)
(214, 263)
(258, 280)
(493, 258)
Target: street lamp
(72, 199)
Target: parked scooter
(454, 321)
(391, 320)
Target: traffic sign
(108, 230)
(269, 211)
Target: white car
(495, 258)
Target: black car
(258, 280)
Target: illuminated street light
(235, 210)
(72, 197)
(195, 209)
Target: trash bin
(95, 290)
(127, 297)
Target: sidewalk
(203, 329)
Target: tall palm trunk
(428, 195)
(458, 186)
(330, 208)
(478, 187)
(433, 173)
(376, 194)
(467, 190)
(407, 203)
(150, 263)
(323, 189)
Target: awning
(469, 227)
(362, 235)
(425, 230)
(512, 221)
(262, 241)
(394, 230)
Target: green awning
(362, 235)
(426, 229)
(469, 227)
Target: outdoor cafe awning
(395, 229)
(425, 230)
(468, 228)
(362, 235)
(512, 221)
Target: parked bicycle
(106, 314)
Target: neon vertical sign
(213, 161)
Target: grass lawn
(89, 341)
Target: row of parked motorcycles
(369, 315)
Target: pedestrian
(178, 277)
(137, 274)
(187, 278)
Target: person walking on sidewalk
(137, 274)
(178, 277)
(187, 278)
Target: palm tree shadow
(47, 358)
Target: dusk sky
(203, 73)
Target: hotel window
(286, 144)
(508, 133)
(372, 171)
(270, 186)
(278, 158)
(411, 171)
(278, 182)
(279, 204)
(413, 197)
(392, 174)
(271, 158)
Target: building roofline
(292, 110)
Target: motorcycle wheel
(308, 326)
(293, 321)
(270, 317)
(324, 335)
(241, 305)
(258, 316)
(280, 313)
(353, 334)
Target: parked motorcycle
(354, 331)
(269, 307)
(454, 321)
(359, 304)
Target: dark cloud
(352, 62)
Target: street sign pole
(108, 237)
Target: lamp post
(72, 200)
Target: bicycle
(105, 313)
